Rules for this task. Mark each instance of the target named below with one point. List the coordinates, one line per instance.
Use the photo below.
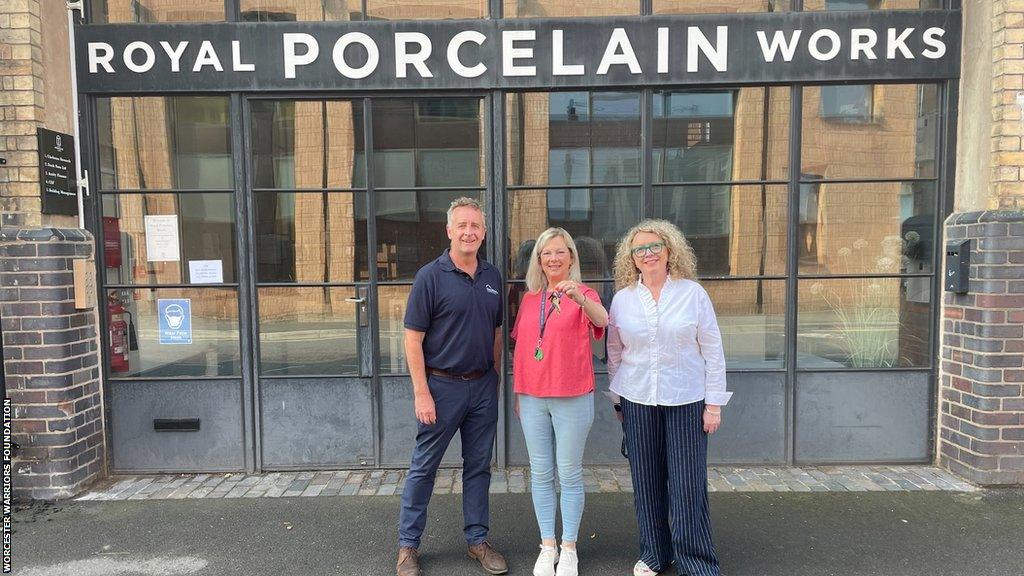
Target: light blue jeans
(556, 432)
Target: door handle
(355, 300)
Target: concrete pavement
(934, 533)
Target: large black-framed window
(169, 265)
(869, 219)
(311, 218)
(714, 162)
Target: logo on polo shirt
(491, 290)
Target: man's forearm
(417, 366)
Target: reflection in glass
(866, 228)
(751, 317)
(720, 136)
(425, 9)
(881, 131)
(734, 230)
(573, 138)
(856, 5)
(213, 351)
(392, 302)
(596, 217)
(153, 11)
(863, 323)
(308, 331)
(719, 6)
(411, 230)
(307, 144)
(427, 142)
(165, 142)
(310, 236)
(204, 229)
(606, 290)
(300, 10)
(562, 9)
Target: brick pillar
(21, 110)
(981, 428)
(51, 363)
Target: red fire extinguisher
(118, 334)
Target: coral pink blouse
(567, 368)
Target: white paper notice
(206, 271)
(162, 239)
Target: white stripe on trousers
(668, 462)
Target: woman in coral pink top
(554, 385)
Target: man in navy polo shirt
(452, 343)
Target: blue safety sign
(175, 318)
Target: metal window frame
(494, 187)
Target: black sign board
(867, 46)
(58, 175)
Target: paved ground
(516, 481)
(888, 533)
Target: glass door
(315, 393)
(334, 255)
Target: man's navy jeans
(470, 407)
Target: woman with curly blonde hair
(667, 370)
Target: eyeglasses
(550, 253)
(653, 248)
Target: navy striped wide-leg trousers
(668, 453)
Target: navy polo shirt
(459, 314)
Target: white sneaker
(641, 569)
(568, 564)
(546, 560)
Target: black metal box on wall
(958, 267)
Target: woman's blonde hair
(681, 261)
(535, 279)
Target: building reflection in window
(155, 11)
(165, 142)
(301, 10)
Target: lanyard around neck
(544, 314)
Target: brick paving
(516, 481)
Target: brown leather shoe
(492, 560)
(408, 561)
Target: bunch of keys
(556, 301)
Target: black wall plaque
(58, 174)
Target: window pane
(392, 302)
(562, 138)
(562, 9)
(308, 144)
(165, 142)
(425, 9)
(884, 228)
(751, 316)
(300, 10)
(719, 136)
(185, 228)
(864, 323)
(310, 236)
(734, 230)
(596, 218)
(427, 142)
(606, 290)
(411, 230)
(152, 11)
(879, 131)
(203, 320)
(311, 331)
(719, 6)
(872, 4)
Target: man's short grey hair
(466, 201)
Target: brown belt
(467, 376)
